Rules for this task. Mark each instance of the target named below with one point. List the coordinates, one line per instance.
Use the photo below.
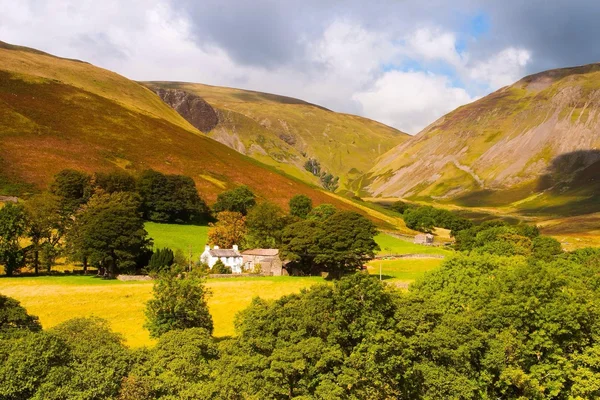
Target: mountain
(57, 113)
(532, 146)
(283, 132)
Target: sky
(401, 62)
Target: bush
(220, 268)
(161, 260)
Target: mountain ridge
(503, 145)
(287, 133)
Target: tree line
(98, 220)
(95, 219)
(426, 218)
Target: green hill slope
(286, 132)
(532, 146)
(57, 113)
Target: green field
(391, 245)
(184, 237)
(405, 270)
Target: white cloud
(411, 100)
(502, 69)
(434, 44)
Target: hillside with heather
(57, 113)
(532, 146)
(284, 132)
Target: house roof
(261, 252)
(224, 253)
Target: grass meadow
(404, 270)
(184, 237)
(392, 245)
(55, 299)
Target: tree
(170, 198)
(546, 248)
(299, 243)
(161, 260)
(46, 225)
(264, 222)
(115, 181)
(240, 199)
(14, 318)
(229, 229)
(13, 225)
(300, 206)
(177, 367)
(98, 362)
(321, 212)
(400, 206)
(110, 231)
(179, 302)
(420, 219)
(27, 361)
(73, 189)
(345, 243)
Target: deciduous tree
(345, 243)
(109, 230)
(300, 206)
(46, 225)
(229, 229)
(13, 225)
(178, 302)
(265, 222)
(240, 199)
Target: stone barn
(424, 238)
(270, 263)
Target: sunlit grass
(403, 270)
(184, 237)
(57, 299)
(392, 245)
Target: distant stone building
(270, 263)
(9, 199)
(230, 257)
(424, 238)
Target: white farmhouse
(230, 257)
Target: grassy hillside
(286, 132)
(57, 113)
(533, 145)
(185, 237)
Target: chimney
(206, 247)
(235, 247)
(216, 247)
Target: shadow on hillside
(571, 186)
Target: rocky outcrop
(191, 107)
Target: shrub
(220, 268)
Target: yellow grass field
(57, 299)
